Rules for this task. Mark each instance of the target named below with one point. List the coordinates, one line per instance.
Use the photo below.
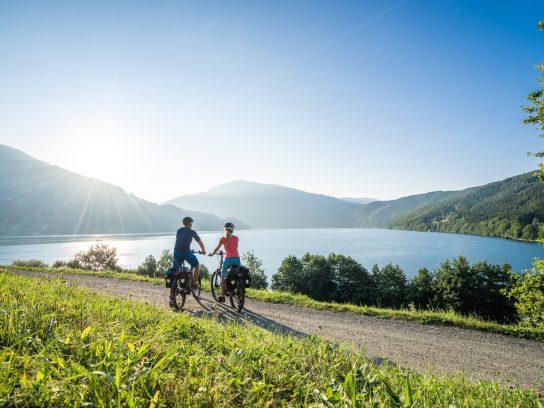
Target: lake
(410, 250)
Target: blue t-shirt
(184, 237)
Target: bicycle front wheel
(215, 284)
(177, 295)
(238, 296)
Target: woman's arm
(217, 249)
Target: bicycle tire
(196, 292)
(177, 295)
(215, 285)
(238, 296)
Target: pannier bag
(246, 276)
(168, 277)
(183, 277)
(232, 277)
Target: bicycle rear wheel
(177, 295)
(196, 292)
(238, 296)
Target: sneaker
(172, 304)
(221, 299)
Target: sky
(368, 98)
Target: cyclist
(230, 242)
(182, 249)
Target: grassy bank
(420, 316)
(63, 345)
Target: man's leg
(196, 274)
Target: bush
(72, 264)
(148, 267)
(478, 289)
(31, 263)
(528, 294)
(98, 257)
(255, 266)
(352, 282)
(391, 283)
(290, 276)
(165, 262)
(420, 290)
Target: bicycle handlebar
(217, 253)
(196, 252)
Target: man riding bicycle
(182, 249)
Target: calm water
(410, 250)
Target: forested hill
(38, 198)
(512, 208)
(380, 214)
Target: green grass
(65, 346)
(448, 318)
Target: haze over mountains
(271, 206)
(38, 198)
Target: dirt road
(438, 349)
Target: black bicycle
(180, 283)
(235, 284)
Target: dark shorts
(184, 256)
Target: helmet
(187, 220)
(229, 225)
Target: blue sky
(366, 98)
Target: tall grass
(65, 346)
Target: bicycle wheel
(215, 284)
(196, 292)
(177, 295)
(238, 296)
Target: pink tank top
(231, 246)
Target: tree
(98, 257)
(391, 282)
(318, 277)
(148, 267)
(165, 262)
(535, 109)
(352, 282)
(528, 293)
(420, 289)
(255, 266)
(290, 276)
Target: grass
(448, 318)
(66, 346)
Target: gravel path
(423, 348)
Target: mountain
(380, 214)
(271, 206)
(358, 200)
(38, 198)
(511, 208)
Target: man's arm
(202, 246)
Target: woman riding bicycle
(230, 242)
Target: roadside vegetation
(67, 346)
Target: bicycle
(236, 282)
(181, 284)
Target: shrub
(30, 263)
(290, 276)
(148, 267)
(98, 257)
(255, 266)
(165, 261)
(391, 284)
(352, 282)
(528, 293)
(420, 289)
